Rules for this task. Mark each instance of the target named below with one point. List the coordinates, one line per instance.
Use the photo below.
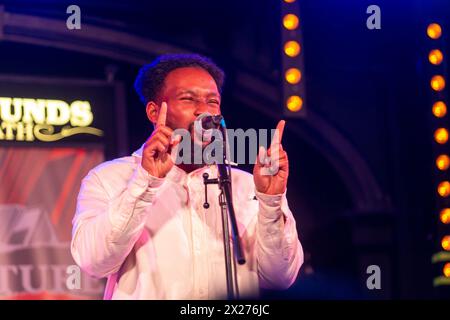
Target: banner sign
(51, 135)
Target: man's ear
(152, 112)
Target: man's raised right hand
(156, 158)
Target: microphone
(211, 122)
(204, 124)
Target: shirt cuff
(143, 182)
(270, 205)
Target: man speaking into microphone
(141, 220)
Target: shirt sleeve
(278, 250)
(105, 230)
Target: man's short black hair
(150, 79)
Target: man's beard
(196, 147)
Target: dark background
(362, 170)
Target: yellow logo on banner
(24, 119)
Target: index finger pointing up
(162, 115)
(278, 133)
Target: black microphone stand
(227, 209)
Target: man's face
(189, 92)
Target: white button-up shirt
(153, 239)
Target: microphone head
(211, 122)
(203, 125)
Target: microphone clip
(207, 181)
